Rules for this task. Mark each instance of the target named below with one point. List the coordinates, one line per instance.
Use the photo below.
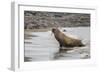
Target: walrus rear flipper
(81, 45)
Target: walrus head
(54, 30)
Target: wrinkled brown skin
(66, 41)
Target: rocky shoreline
(38, 20)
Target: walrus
(66, 41)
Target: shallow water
(45, 46)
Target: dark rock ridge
(37, 19)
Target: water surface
(43, 46)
